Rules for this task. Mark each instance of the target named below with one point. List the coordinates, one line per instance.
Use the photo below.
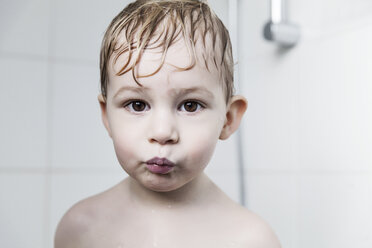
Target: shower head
(283, 33)
(278, 29)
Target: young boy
(167, 97)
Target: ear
(235, 110)
(102, 103)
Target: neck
(200, 190)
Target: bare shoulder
(79, 223)
(73, 226)
(256, 231)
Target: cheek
(202, 151)
(125, 139)
(124, 153)
(201, 141)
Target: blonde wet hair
(149, 24)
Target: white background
(307, 134)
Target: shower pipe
(278, 29)
(233, 6)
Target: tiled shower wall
(54, 148)
(307, 133)
(308, 129)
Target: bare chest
(168, 234)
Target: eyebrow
(181, 91)
(130, 88)
(184, 91)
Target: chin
(160, 187)
(163, 183)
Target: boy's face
(175, 118)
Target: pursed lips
(160, 162)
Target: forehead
(176, 58)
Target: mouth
(159, 165)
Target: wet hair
(149, 24)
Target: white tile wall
(270, 126)
(23, 97)
(321, 17)
(334, 210)
(24, 27)
(252, 16)
(308, 129)
(22, 210)
(79, 27)
(336, 116)
(79, 139)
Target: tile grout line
(52, 171)
(49, 113)
(48, 58)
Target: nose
(163, 128)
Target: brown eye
(137, 106)
(190, 106)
